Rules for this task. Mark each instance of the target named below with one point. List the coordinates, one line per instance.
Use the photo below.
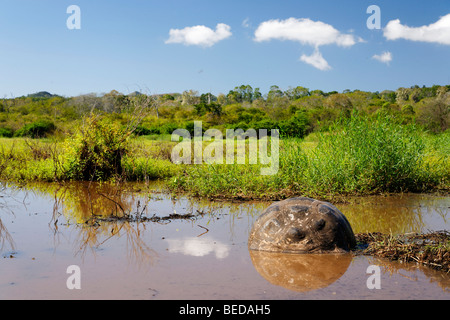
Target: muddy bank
(430, 249)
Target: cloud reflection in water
(198, 247)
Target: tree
(207, 98)
(340, 102)
(274, 92)
(434, 114)
(416, 94)
(190, 97)
(297, 93)
(221, 99)
(202, 108)
(297, 126)
(243, 93)
(402, 94)
(441, 91)
(388, 95)
(246, 92)
(256, 94)
(233, 97)
(317, 93)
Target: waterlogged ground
(188, 249)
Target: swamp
(138, 241)
(91, 182)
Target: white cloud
(316, 60)
(305, 31)
(438, 32)
(385, 57)
(199, 35)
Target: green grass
(358, 156)
(364, 156)
(27, 160)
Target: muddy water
(47, 228)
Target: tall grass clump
(366, 155)
(96, 150)
(437, 159)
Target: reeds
(356, 156)
(360, 155)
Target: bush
(6, 132)
(189, 126)
(96, 151)
(168, 128)
(36, 129)
(297, 126)
(144, 131)
(241, 125)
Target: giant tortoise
(302, 225)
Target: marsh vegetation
(331, 143)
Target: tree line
(296, 111)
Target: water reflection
(397, 214)
(96, 209)
(86, 218)
(6, 197)
(412, 272)
(102, 212)
(300, 272)
(199, 247)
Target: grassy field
(355, 157)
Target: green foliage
(297, 126)
(363, 155)
(36, 129)
(145, 131)
(169, 127)
(243, 93)
(144, 168)
(382, 148)
(96, 151)
(360, 155)
(202, 108)
(6, 132)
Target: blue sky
(129, 45)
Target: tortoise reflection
(300, 272)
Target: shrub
(96, 151)
(6, 132)
(297, 126)
(142, 131)
(168, 128)
(189, 126)
(36, 129)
